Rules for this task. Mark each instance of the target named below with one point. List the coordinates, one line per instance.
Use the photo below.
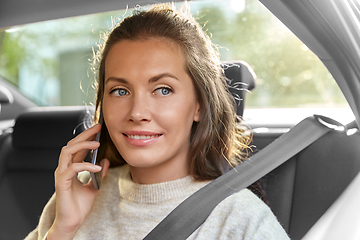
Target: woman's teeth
(142, 136)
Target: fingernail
(97, 167)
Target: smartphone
(96, 177)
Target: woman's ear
(197, 113)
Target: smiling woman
(152, 67)
(169, 127)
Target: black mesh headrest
(241, 78)
(50, 127)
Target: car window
(49, 61)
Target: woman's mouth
(143, 136)
(141, 139)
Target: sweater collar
(158, 192)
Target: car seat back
(304, 187)
(28, 158)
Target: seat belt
(193, 211)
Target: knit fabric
(126, 210)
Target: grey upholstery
(304, 187)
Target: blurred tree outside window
(50, 61)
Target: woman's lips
(141, 138)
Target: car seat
(28, 159)
(241, 79)
(303, 188)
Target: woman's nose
(140, 108)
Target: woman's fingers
(68, 153)
(64, 179)
(77, 148)
(87, 135)
(81, 144)
(75, 168)
(104, 167)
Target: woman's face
(149, 107)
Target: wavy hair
(217, 141)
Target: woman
(169, 128)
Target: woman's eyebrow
(151, 80)
(121, 80)
(157, 77)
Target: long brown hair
(217, 143)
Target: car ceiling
(18, 12)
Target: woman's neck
(160, 173)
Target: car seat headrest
(241, 78)
(50, 127)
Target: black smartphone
(96, 177)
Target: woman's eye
(119, 92)
(163, 91)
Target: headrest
(241, 78)
(50, 127)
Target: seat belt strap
(193, 211)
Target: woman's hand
(73, 198)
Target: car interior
(298, 192)
(29, 154)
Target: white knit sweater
(126, 210)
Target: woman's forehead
(144, 55)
